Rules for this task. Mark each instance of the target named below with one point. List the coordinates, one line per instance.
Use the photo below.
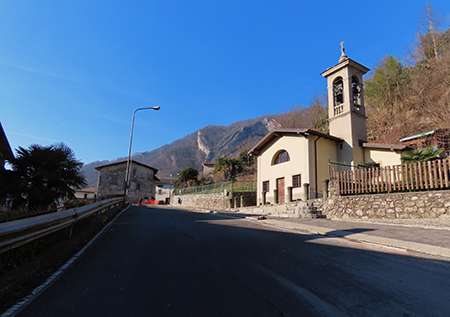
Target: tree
(230, 167)
(421, 155)
(188, 175)
(432, 41)
(246, 160)
(385, 86)
(317, 113)
(41, 176)
(385, 102)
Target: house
(208, 167)
(5, 149)
(292, 164)
(86, 193)
(111, 181)
(439, 138)
(164, 189)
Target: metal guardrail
(19, 232)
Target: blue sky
(74, 71)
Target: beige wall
(384, 157)
(349, 125)
(297, 147)
(326, 151)
(302, 161)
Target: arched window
(281, 157)
(356, 93)
(338, 91)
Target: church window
(356, 93)
(338, 91)
(281, 157)
(296, 181)
(265, 186)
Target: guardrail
(19, 232)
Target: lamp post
(127, 172)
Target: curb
(407, 245)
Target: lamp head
(156, 107)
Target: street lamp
(127, 172)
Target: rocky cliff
(205, 145)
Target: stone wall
(220, 201)
(111, 181)
(425, 204)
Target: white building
(289, 159)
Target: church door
(280, 190)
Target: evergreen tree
(230, 167)
(187, 176)
(41, 176)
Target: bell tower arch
(346, 111)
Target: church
(292, 163)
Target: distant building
(111, 181)
(5, 149)
(164, 189)
(86, 193)
(208, 167)
(439, 138)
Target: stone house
(292, 164)
(86, 193)
(208, 167)
(111, 181)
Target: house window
(138, 186)
(281, 157)
(265, 186)
(296, 181)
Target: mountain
(204, 145)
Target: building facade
(292, 164)
(111, 181)
(289, 158)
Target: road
(167, 262)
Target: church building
(292, 163)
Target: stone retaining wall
(426, 204)
(220, 201)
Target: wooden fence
(399, 178)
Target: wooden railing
(399, 178)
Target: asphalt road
(167, 262)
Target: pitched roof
(384, 146)
(5, 149)
(279, 132)
(98, 168)
(347, 62)
(87, 190)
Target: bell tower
(346, 111)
